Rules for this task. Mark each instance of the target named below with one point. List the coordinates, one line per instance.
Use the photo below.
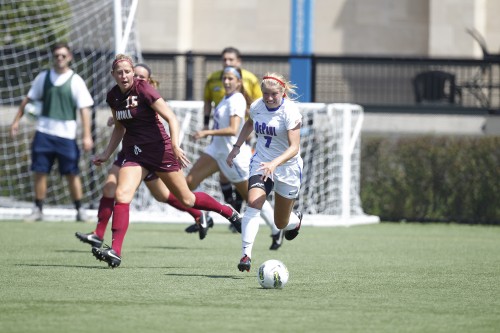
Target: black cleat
(108, 255)
(203, 225)
(194, 227)
(277, 240)
(235, 218)
(245, 264)
(291, 234)
(89, 238)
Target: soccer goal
(330, 148)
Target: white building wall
(342, 27)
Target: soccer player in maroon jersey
(157, 188)
(136, 107)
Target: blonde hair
(275, 80)
(122, 57)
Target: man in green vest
(61, 93)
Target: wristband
(206, 120)
(236, 146)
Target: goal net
(96, 30)
(330, 148)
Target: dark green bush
(432, 178)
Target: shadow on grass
(96, 267)
(208, 276)
(74, 251)
(68, 266)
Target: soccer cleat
(232, 228)
(245, 264)
(108, 255)
(235, 218)
(81, 215)
(277, 240)
(194, 227)
(89, 238)
(291, 234)
(202, 225)
(36, 215)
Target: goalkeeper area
(330, 136)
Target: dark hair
(231, 49)
(60, 45)
(146, 67)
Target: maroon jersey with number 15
(145, 142)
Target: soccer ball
(272, 274)
(33, 109)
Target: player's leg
(203, 168)
(42, 159)
(104, 211)
(68, 156)
(251, 218)
(161, 193)
(177, 184)
(284, 216)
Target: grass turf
(376, 278)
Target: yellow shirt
(214, 89)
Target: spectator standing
(62, 92)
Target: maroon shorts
(154, 157)
(120, 159)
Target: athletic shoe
(277, 240)
(108, 255)
(202, 225)
(245, 264)
(89, 238)
(194, 227)
(291, 234)
(235, 218)
(36, 215)
(81, 215)
(232, 228)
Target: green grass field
(376, 278)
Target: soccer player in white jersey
(229, 117)
(276, 164)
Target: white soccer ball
(272, 274)
(33, 109)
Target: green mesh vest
(58, 101)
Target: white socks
(249, 229)
(293, 222)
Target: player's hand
(200, 134)
(88, 143)
(229, 160)
(14, 129)
(268, 170)
(110, 122)
(181, 157)
(99, 159)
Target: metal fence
(378, 84)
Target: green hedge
(432, 178)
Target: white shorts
(240, 170)
(286, 178)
